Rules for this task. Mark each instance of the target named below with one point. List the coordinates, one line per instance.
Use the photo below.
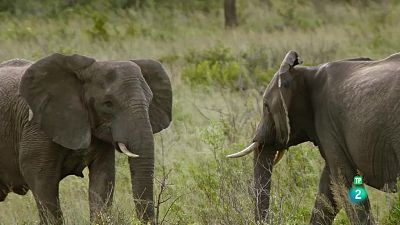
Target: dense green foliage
(208, 65)
(218, 66)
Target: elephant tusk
(125, 150)
(245, 151)
(278, 156)
(30, 115)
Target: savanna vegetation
(218, 76)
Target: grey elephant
(350, 109)
(64, 113)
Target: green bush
(216, 54)
(226, 74)
(215, 66)
(218, 67)
(260, 64)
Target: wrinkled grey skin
(350, 109)
(81, 109)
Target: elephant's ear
(160, 111)
(285, 86)
(53, 91)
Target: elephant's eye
(108, 104)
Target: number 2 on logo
(358, 197)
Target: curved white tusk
(245, 151)
(125, 150)
(30, 115)
(278, 156)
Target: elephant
(64, 113)
(350, 110)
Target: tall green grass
(199, 185)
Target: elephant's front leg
(40, 166)
(325, 208)
(47, 200)
(101, 181)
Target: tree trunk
(230, 13)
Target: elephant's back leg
(341, 173)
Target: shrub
(219, 53)
(219, 67)
(260, 64)
(215, 66)
(227, 74)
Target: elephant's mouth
(121, 147)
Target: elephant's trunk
(263, 164)
(265, 158)
(137, 133)
(142, 177)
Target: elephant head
(286, 111)
(75, 99)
